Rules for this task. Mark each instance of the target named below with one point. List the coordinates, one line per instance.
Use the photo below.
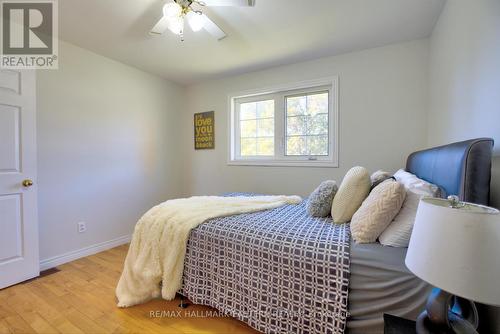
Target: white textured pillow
(352, 191)
(377, 211)
(398, 233)
(419, 186)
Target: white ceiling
(274, 32)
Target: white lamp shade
(457, 249)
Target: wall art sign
(204, 130)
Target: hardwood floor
(80, 298)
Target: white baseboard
(79, 253)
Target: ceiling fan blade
(213, 29)
(160, 26)
(238, 3)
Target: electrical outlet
(82, 227)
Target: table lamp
(455, 246)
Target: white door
(18, 202)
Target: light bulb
(196, 21)
(176, 24)
(172, 9)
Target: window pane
(296, 125)
(248, 110)
(265, 127)
(256, 128)
(318, 124)
(248, 147)
(265, 109)
(248, 128)
(307, 124)
(265, 146)
(296, 105)
(318, 145)
(296, 145)
(317, 104)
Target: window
(307, 124)
(257, 128)
(293, 125)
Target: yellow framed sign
(204, 130)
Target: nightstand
(397, 325)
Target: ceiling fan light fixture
(176, 24)
(172, 9)
(176, 12)
(196, 21)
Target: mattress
(380, 283)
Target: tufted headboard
(462, 169)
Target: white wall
(383, 107)
(464, 62)
(465, 77)
(106, 152)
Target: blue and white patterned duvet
(280, 270)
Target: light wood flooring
(80, 298)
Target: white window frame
(279, 93)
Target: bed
(281, 271)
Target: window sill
(278, 163)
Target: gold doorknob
(27, 183)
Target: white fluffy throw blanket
(158, 246)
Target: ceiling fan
(177, 12)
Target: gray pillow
(378, 177)
(320, 201)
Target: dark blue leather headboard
(462, 169)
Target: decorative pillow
(419, 186)
(319, 203)
(398, 233)
(378, 177)
(377, 211)
(352, 191)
